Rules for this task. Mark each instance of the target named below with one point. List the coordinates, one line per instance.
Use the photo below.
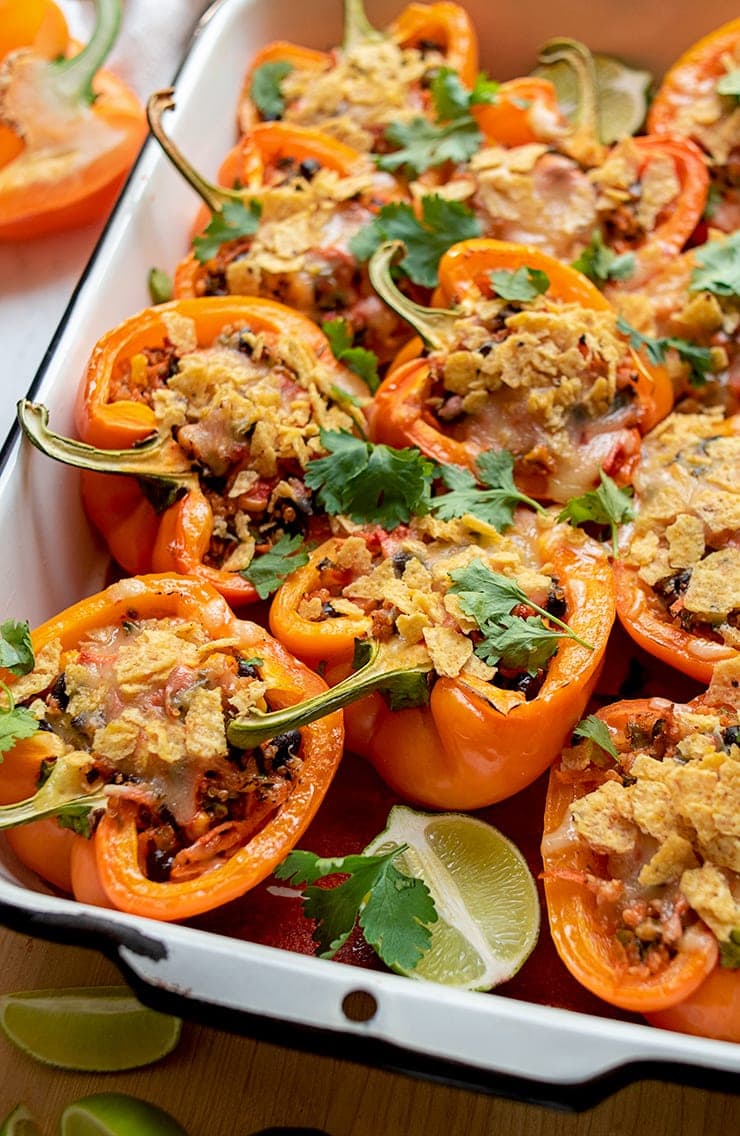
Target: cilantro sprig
(362, 362)
(16, 722)
(16, 648)
(267, 572)
(596, 731)
(370, 483)
(607, 505)
(519, 642)
(601, 264)
(729, 950)
(520, 284)
(233, 220)
(393, 910)
(717, 267)
(495, 503)
(443, 223)
(265, 90)
(699, 359)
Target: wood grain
(218, 1084)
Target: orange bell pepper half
(687, 480)
(525, 110)
(692, 77)
(443, 26)
(469, 742)
(160, 838)
(641, 945)
(159, 516)
(401, 413)
(69, 131)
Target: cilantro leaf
(443, 223)
(393, 909)
(16, 649)
(718, 268)
(607, 505)
(729, 950)
(233, 221)
(494, 504)
(421, 145)
(16, 722)
(359, 360)
(520, 284)
(600, 263)
(370, 483)
(78, 818)
(267, 572)
(699, 359)
(265, 88)
(593, 729)
(522, 644)
(452, 100)
(729, 84)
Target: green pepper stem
(157, 458)
(357, 27)
(73, 78)
(434, 325)
(405, 686)
(584, 139)
(214, 196)
(66, 789)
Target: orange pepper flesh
(47, 848)
(477, 747)
(512, 118)
(691, 75)
(583, 934)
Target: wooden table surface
(218, 1084)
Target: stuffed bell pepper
(211, 408)
(642, 858)
(678, 577)
(121, 781)
(525, 355)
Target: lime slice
(116, 1114)
(622, 94)
(19, 1122)
(90, 1028)
(486, 898)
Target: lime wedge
(621, 91)
(90, 1028)
(19, 1122)
(116, 1114)
(486, 898)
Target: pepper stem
(584, 140)
(433, 325)
(405, 686)
(157, 459)
(65, 790)
(357, 27)
(73, 78)
(214, 196)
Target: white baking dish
(52, 559)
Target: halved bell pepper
(442, 30)
(480, 734)
(421, 402)
(677, 576)
(138, 687)
(689, 103)
(524, 110)
(313, 194)
(634, 886)
(69, 131)
(168, 513)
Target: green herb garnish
(371, 484)
(495, 504)
(600, 263)
(394, 910)
(699, 359)
(16, 649)
(718, 267)
(265, 89)
(594, 730)
(607, 505)
(267, 571)
(233, 220)
(359, 360)
(16, 722)
(520, 284)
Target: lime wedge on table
(484, 893)
(90, 1028)
(116, 1114)
(19, 1123)
(622, 94)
